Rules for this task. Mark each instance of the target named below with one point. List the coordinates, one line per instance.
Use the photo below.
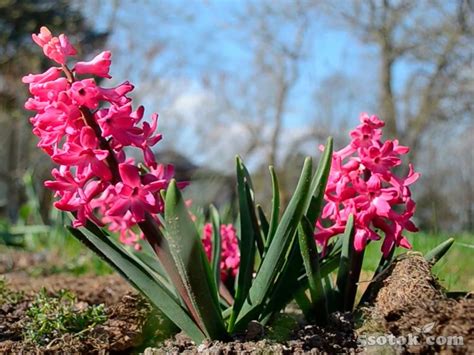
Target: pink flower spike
(130, 175)
(373, 121)
(86, 129)
(117, 94)
(230, 253)
(99, 66)
(362, 182)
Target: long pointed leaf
(192, 264)
(309, 253)
(287, 283)
(259, 238)
(304, 303)
(318, 184)
(282, 241)
(159, 244)
(344, 264)
(137, 275)
(434, 255)
(252, 209)
(247, 245)
(275, 207)
(264, 225)
(216, 245)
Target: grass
(51, 317)
(7, 295)
(455, 270)
(65, 254)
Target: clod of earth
(409, 300)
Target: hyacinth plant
(365, 200)
(211, 283)
(89, 130)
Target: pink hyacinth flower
(86, 129)
(133, 196)
(230, 252)
(99, 66)
(362, 183)
(57, 49)
(84, 154)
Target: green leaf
(384, 262)
(286, 285)
(216, 245)
(153, 264)
(318, 184)
(294, 280)
(329, 290)
(138, 276)
(278, 249)
(309, 253)
(304, 303)
(259, 238)
(247, 244)
(252, 209)
(434, 255)
(188, 253)
(275, 207)
(335, 247)
(264, 226)
(344, 264)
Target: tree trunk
(12, 163)
(388, 112)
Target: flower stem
(103, 143)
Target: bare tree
(426, 92)
(260, 96)
(433, 41)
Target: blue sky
(195, 31)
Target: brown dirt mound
(410, 302)
(107, 289)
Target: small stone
(201, 348)
(254, 331)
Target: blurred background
(268, 80)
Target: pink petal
(88, 138)
(119, 208)
(130, 175)
(383, 207)
(360, 239)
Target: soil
(410, 302)
(337, 337)
(406, 299)
(128, 315)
